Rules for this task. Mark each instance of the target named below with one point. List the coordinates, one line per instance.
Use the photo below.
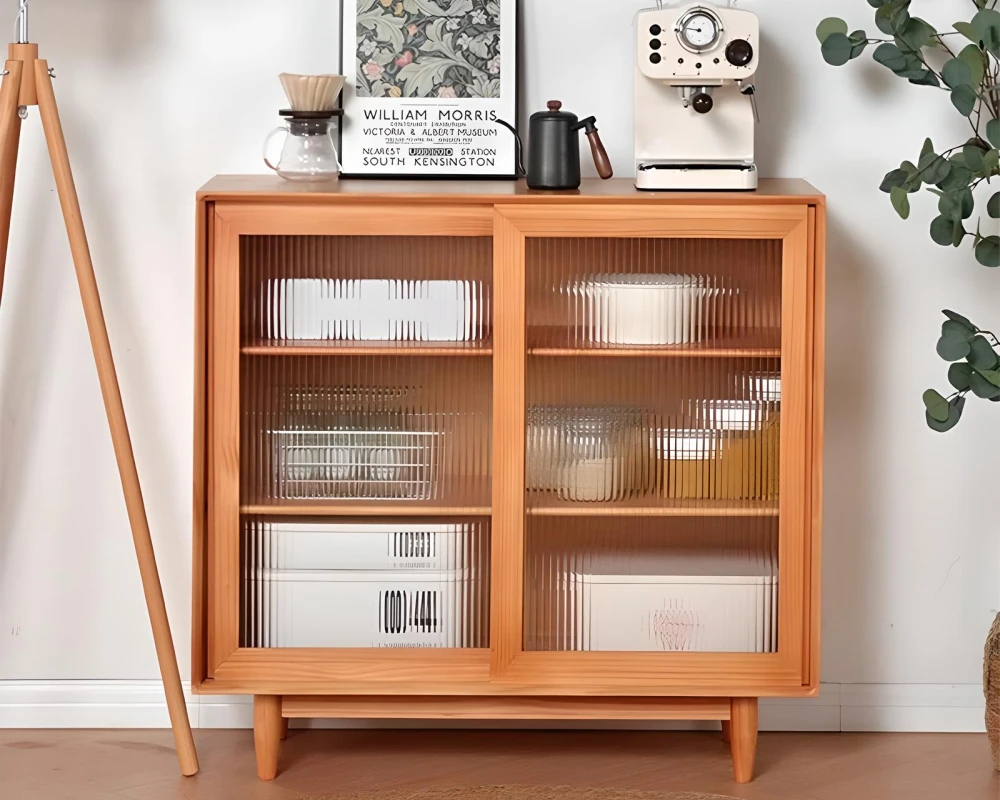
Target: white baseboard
(930, 708)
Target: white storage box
(684, 601)
(312, 309)
(364, 546)
(347, 608)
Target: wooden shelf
(455, 349)
(471, 503)
(560, 343)
(652, 507)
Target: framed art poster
(426, 80)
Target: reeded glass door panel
(653, 436)
(365, 436)
(413, 292)
(651, 585)
(680, 294)
(350, 583)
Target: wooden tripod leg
(116, 419)
(10, 136)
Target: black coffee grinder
(554, 154)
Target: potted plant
(965, 62)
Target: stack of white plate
(641, 309)
(365, 585)
(696, 600)
(313, 309)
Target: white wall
(158, 95)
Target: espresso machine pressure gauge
(699, 30)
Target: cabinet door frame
(790, 671)
(229, 667)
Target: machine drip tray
(695, 177)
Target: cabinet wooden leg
(743, 734)
(284, 728)
(267, 734)
(727, 731)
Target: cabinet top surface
(271, 188)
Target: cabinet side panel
(205, 212)
(818, 254)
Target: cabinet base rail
(738, 716)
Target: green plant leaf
(992, 375)
(860, 41)
(877, 3)
(892, 16)
(936, 405)
(981, 354)
(960, 376)
(897, 177)
(943, 230)
(830, 26)
(954, 316)
(991, 160)
(974, 57)
(926, 78)
(955, 409)
(964, 99)
(890, 56)
(987, 26)
(956, 72)
(927, 149)
(993, 132)
(993, 206)
(900, 201)
(969, 32)
(958, 178)
(958, 330)
(953, 348)
(915, 33)
(837, 49)
(973, 155)
(982, 387)
(988, 251)
(966, 203)
(934, 169)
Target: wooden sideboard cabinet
(468, 451)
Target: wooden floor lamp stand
(27, 81)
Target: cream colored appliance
(695, 111)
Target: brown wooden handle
(601, 160)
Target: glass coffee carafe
(309, 152)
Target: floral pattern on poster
(428, 48)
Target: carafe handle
(601, 160)
(267, 144)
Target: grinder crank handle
(601, 160)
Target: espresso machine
(695, 110)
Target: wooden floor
(140, 765)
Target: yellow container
(719, 464)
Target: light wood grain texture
(743, 732)
(483, 708)
(356, 220)
(388, 349)
(508, 444)
(10, 137)
(727, 731)
(27, 54)
(224, 446)
(652, 507)
(260, 189)
(267, 735)
(115, 409)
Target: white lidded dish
(642, 309)
(315, 309)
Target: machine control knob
(739, 53)
(702, 103)
(655, 58)
(655, 44)
(655, 30)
